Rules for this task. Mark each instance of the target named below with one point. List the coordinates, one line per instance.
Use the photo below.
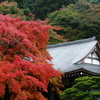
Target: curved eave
(81, 70)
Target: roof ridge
(73, 42)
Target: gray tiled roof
(66, 55)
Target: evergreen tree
(83, 89)
(80, 20)
(43, 7)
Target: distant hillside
(80, 20)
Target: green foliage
(11, 8)
(23, 4)
(26, 11)
(80, 20)
(93, 1)
(63, 18)
(82, 89)
(81, 6)
(55, 38)
(43, 7)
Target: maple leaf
(24, 70)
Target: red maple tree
(24, 69)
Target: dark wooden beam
(98, 50)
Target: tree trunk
(7, 94)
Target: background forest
(78, 19)
(23, 57)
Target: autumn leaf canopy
(24, 67)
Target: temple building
(76, 59)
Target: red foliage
(25, 79)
